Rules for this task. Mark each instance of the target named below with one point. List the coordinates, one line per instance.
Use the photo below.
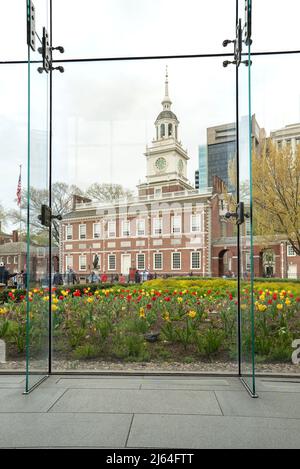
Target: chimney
(15, 236)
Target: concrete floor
(149, 412)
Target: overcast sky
(104, 113)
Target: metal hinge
(46, 216)
(239, 214)
(46, 51)
(31, 24)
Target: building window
(8, 260)
(176, 224)
(162, 130)
(248, 227)
(69, 262)
(82, 262)
(248, 262)
(82, 231)
(290, 251)
(125, 228)
(15, 259)
(140, 228)
(157, 226)
(158, 261)
(176, 260)
(195, 223)
(111, 262)
(170, 130)
(140, 261)
(96, 230)
(195, 260)
(111, 229)
(69, 232)
(1, 259)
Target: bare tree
(108, 192)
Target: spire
(167, 101)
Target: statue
(96, 262)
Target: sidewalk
(149, 412)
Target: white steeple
(167, 101)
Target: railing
(144, 198)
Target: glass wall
(131, 256)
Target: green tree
(276, 193)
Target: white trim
(162, 261)
(111, 233)
(127, 234)
(137, 262)
(143, 221)
(180, 224)
(108, 263)
(157, 226)
(80, 226)
(79, 263)
(191, 260)
(198, 215)
(66, 233)
(172, 260)
(99, 224)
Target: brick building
(169, 228)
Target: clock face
(160, 164)
(180, 166)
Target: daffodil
(142, 313)
(279, 306)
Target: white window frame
(82, 235)
(111, 233)
(173, 224)
(108, 262)
(172, 260)
(290, 251)
(8, 261)
(80, 263)
(97, 234)
(69, 264)
(200, 260)
(16, 259)
(69, 237)
(198, 226)
(157, 226)
(140, 232)
(140, 254)
(125, 228)
(247, 261)
(154, 260)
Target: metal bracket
(46, 51)
(238, 46)
(31, 24)
(239, 214)
(46, 216)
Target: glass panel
(247, 122)
(276, 262)
(38, 262)
(114, 28)
(13, 31)
(107, 116)
(13, 153)
(275, 26)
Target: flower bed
(144, 323)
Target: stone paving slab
(204, 432)
(278, 386)
(67, 430)
(269, 404)
(133, 401)
(99, 383)
(40, 400)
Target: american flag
(19, 191)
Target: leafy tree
(62, 198)
(276, 193)
(3, 216)
(108, 192)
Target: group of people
(16, 280)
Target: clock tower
(166, 158)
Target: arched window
(176, 133)
(162, 130)
(170, 131)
